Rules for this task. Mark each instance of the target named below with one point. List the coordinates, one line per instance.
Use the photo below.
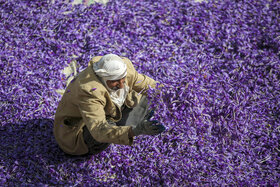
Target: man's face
(116, 84)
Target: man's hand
(148, 127)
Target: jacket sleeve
(140, 82)
(92, 110)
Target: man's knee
(94, 146)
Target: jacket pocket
(72, 121)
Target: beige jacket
(86, 101)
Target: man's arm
(140, 82)
(92, 110)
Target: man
(104, 104)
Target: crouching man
(104, 104)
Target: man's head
(112, 69)
(116, 84)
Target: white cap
(110, 67)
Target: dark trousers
(130, 117)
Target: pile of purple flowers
(219, 62)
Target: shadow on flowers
(29, 154)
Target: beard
(118, 95)
(115, 88)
